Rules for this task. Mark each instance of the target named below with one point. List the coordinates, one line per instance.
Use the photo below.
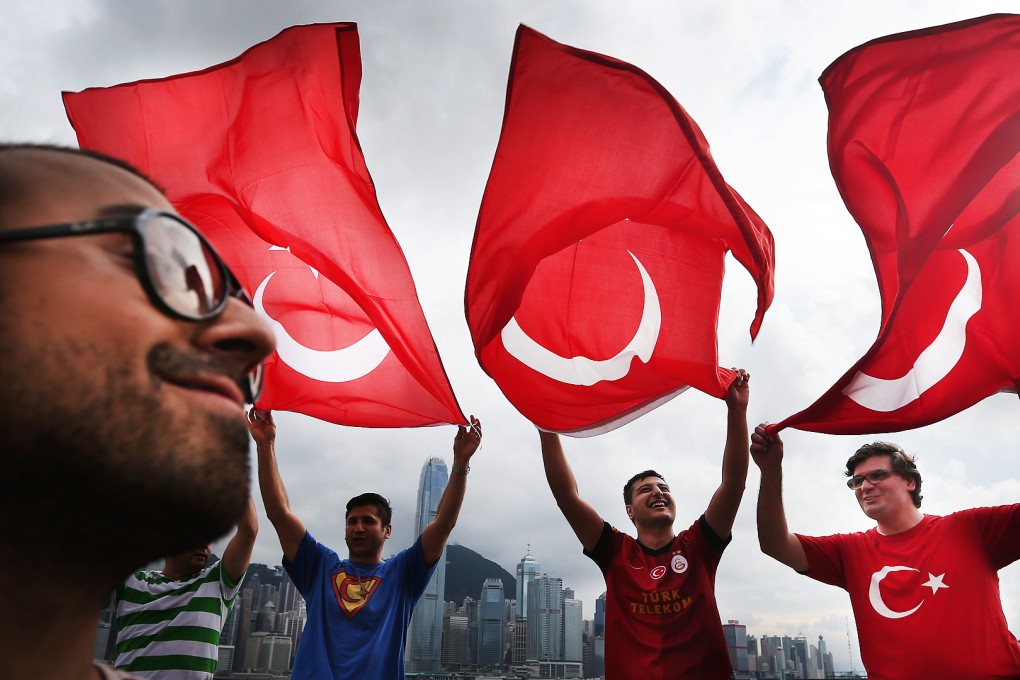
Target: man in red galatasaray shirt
(662, 620)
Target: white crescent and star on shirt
(934, 582)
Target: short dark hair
(628, 488)
(903, 464)
(382, 506)
(12, 189)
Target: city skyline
(277, 613)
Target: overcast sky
(434, 81)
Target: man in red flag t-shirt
(924, 588)
(662, 620)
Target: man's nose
(240, 334)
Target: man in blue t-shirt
(358, 608)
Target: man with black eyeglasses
(924, 588)
(124, 387)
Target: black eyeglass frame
(879, 475)
(136, 225)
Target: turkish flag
(595, 277)
(261, 154)
(924, 132)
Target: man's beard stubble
(115, 480)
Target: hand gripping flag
(595, 277)
(924, 132)
(262, 155)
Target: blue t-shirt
(357, 613)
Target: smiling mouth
(658, 504)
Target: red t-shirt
(662, 620)
(927, 600)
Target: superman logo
(353, 592)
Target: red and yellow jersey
(662, 620)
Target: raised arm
(582, 518)
(237, 554)
(774, 537)
(289, 528)
(722, 509)
(435, 535)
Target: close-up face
(191, 561)
(879, 497)
(651, 501)
(115, 399)
(365, 533)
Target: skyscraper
(600, 616)
(491, 624)
(528, 570)
(455, 640)
(572, 622)
(425, 635)
(545, 619)
(736, 642)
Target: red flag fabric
(924, 135)
(595, 276)
(261, 154)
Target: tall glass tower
(573, 620)
(425, 639)
(491, 626)
(528, 570)
(545, 619)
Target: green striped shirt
(171, 629)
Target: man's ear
(630, 511)
(387, 530)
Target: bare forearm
(274, 494)
(558, 474)
(735, 454)
(451, 502)
(237, 554)
(435, 535)
(289, 528)
(772, 526)
(722, 509)
(582, 518)
(774, 535)
(248, 526)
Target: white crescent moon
(582, 370)
(333, 366)
(875, 594)
(934, 363)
